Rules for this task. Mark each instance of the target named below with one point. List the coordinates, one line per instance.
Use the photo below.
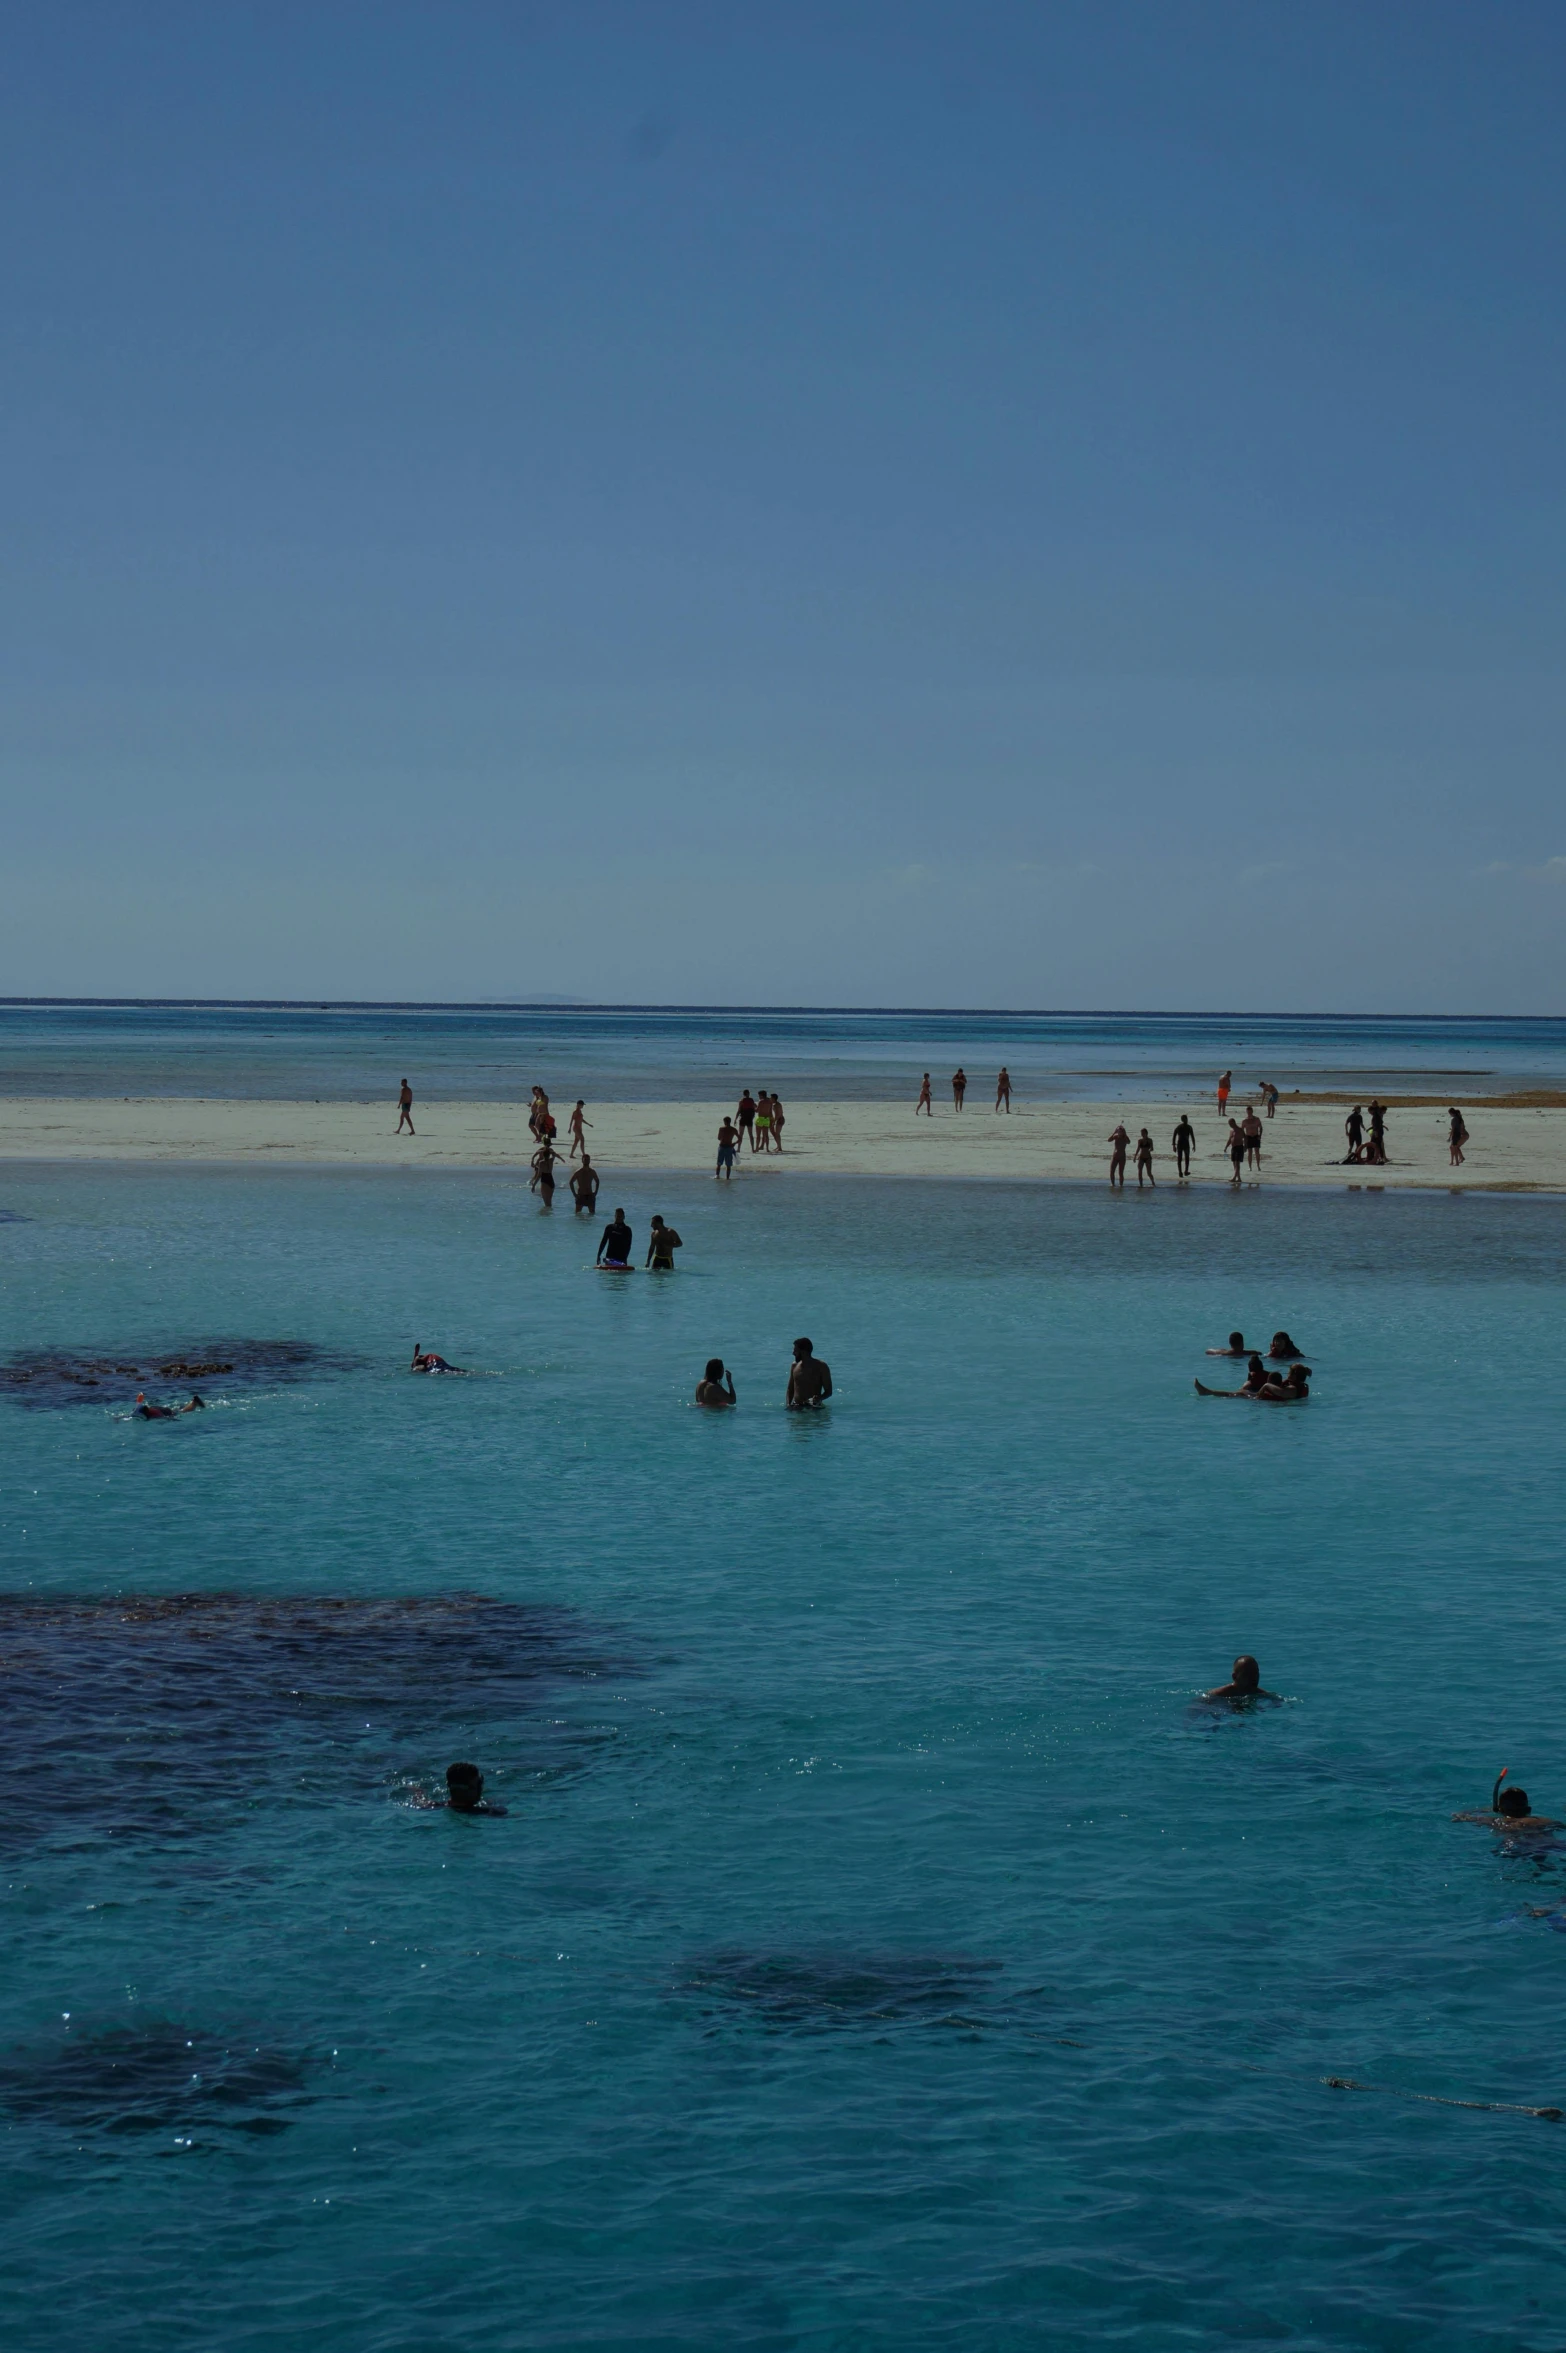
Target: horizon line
(594, 1005)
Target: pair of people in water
(809, 1382)
(1282, 1349)
(614, 1246)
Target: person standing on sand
(1251, 1130)
(584, 1185)
(1121, 1140)
(1003, 1089)
(574, 1127)
(728, 1141)
(1354, 1129)
(746, 1115)
(1224, 1085)
(405, 1108)
(1378, 1132)
(1271, 1093)
(777, 1123)
(923, 1103)
(1456, 1136)
(761, 1134)
(1144, 1160)
(1182, 1140)
(959, 1086)
(1236, 1149)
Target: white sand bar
(1512, 1149)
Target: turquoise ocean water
(879, 1950)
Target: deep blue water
(880, 1950)
(651, 1054)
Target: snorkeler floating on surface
(1509, 1810)
(425, 1360)
(1245, 1686)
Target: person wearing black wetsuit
(615, 1247)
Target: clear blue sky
(969, 504)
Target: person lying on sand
(716, 1386)
(1509, 1810)
(1245, 1687)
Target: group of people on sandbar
(960, 1092)
(758, 1120)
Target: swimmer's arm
(1202, 1390)
(826, 1383)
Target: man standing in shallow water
(809, 1380)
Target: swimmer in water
(425, 1360)
(152, 1413)
(1257, 1378)
(716, 1386)
(1236, 1346)
(1292, 1388)
(660, 1250)
(809, 1380)
(1245, 1687)
(1509, 1810)
(614, 1248)
(197, 1404)
(1283, 1348)
(464, 1793)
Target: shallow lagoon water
(879, 1949)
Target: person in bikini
(1224, 1085)
(959, 1087)
(1003, 1089)
(1144, 1160)
(777, 1122)
(716, 1386)
(923, 1103)
(542, 1180)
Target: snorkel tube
(1495, 1794)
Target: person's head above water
(802, 1349)
(1247, 1674)
(1513, 1802)
(1282, 1345)
(714, 1370)
(619, 1217)
(1237, 1343)
(464, 1787)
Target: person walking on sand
(1224, 1085)
(1003, 1089)
(746, 1115)
(1182, 1140)
(1121, 1141)
(1378, 1132)
(1236, 1150)
(574, 1127)
(728, 1143)
(405, 1109)
(584, 1185)
(1144, 1160)
(959, 1086)
(923, 1103)
(1251, 1130)
(1456, 1136)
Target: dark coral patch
(65, 1376)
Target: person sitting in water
(716, 1386)
(1256, 1379)
(1245, 1687)
(425, 1360)
(660, 1250)
(1283, 1348)
(465, 1791)
(1509, 1810)
(152, 1413)
(809, 1380)
(1291, 1388)
(614, 1248)
(1236, 1346)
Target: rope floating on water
(1394, 2091)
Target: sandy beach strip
(1511, 1149)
